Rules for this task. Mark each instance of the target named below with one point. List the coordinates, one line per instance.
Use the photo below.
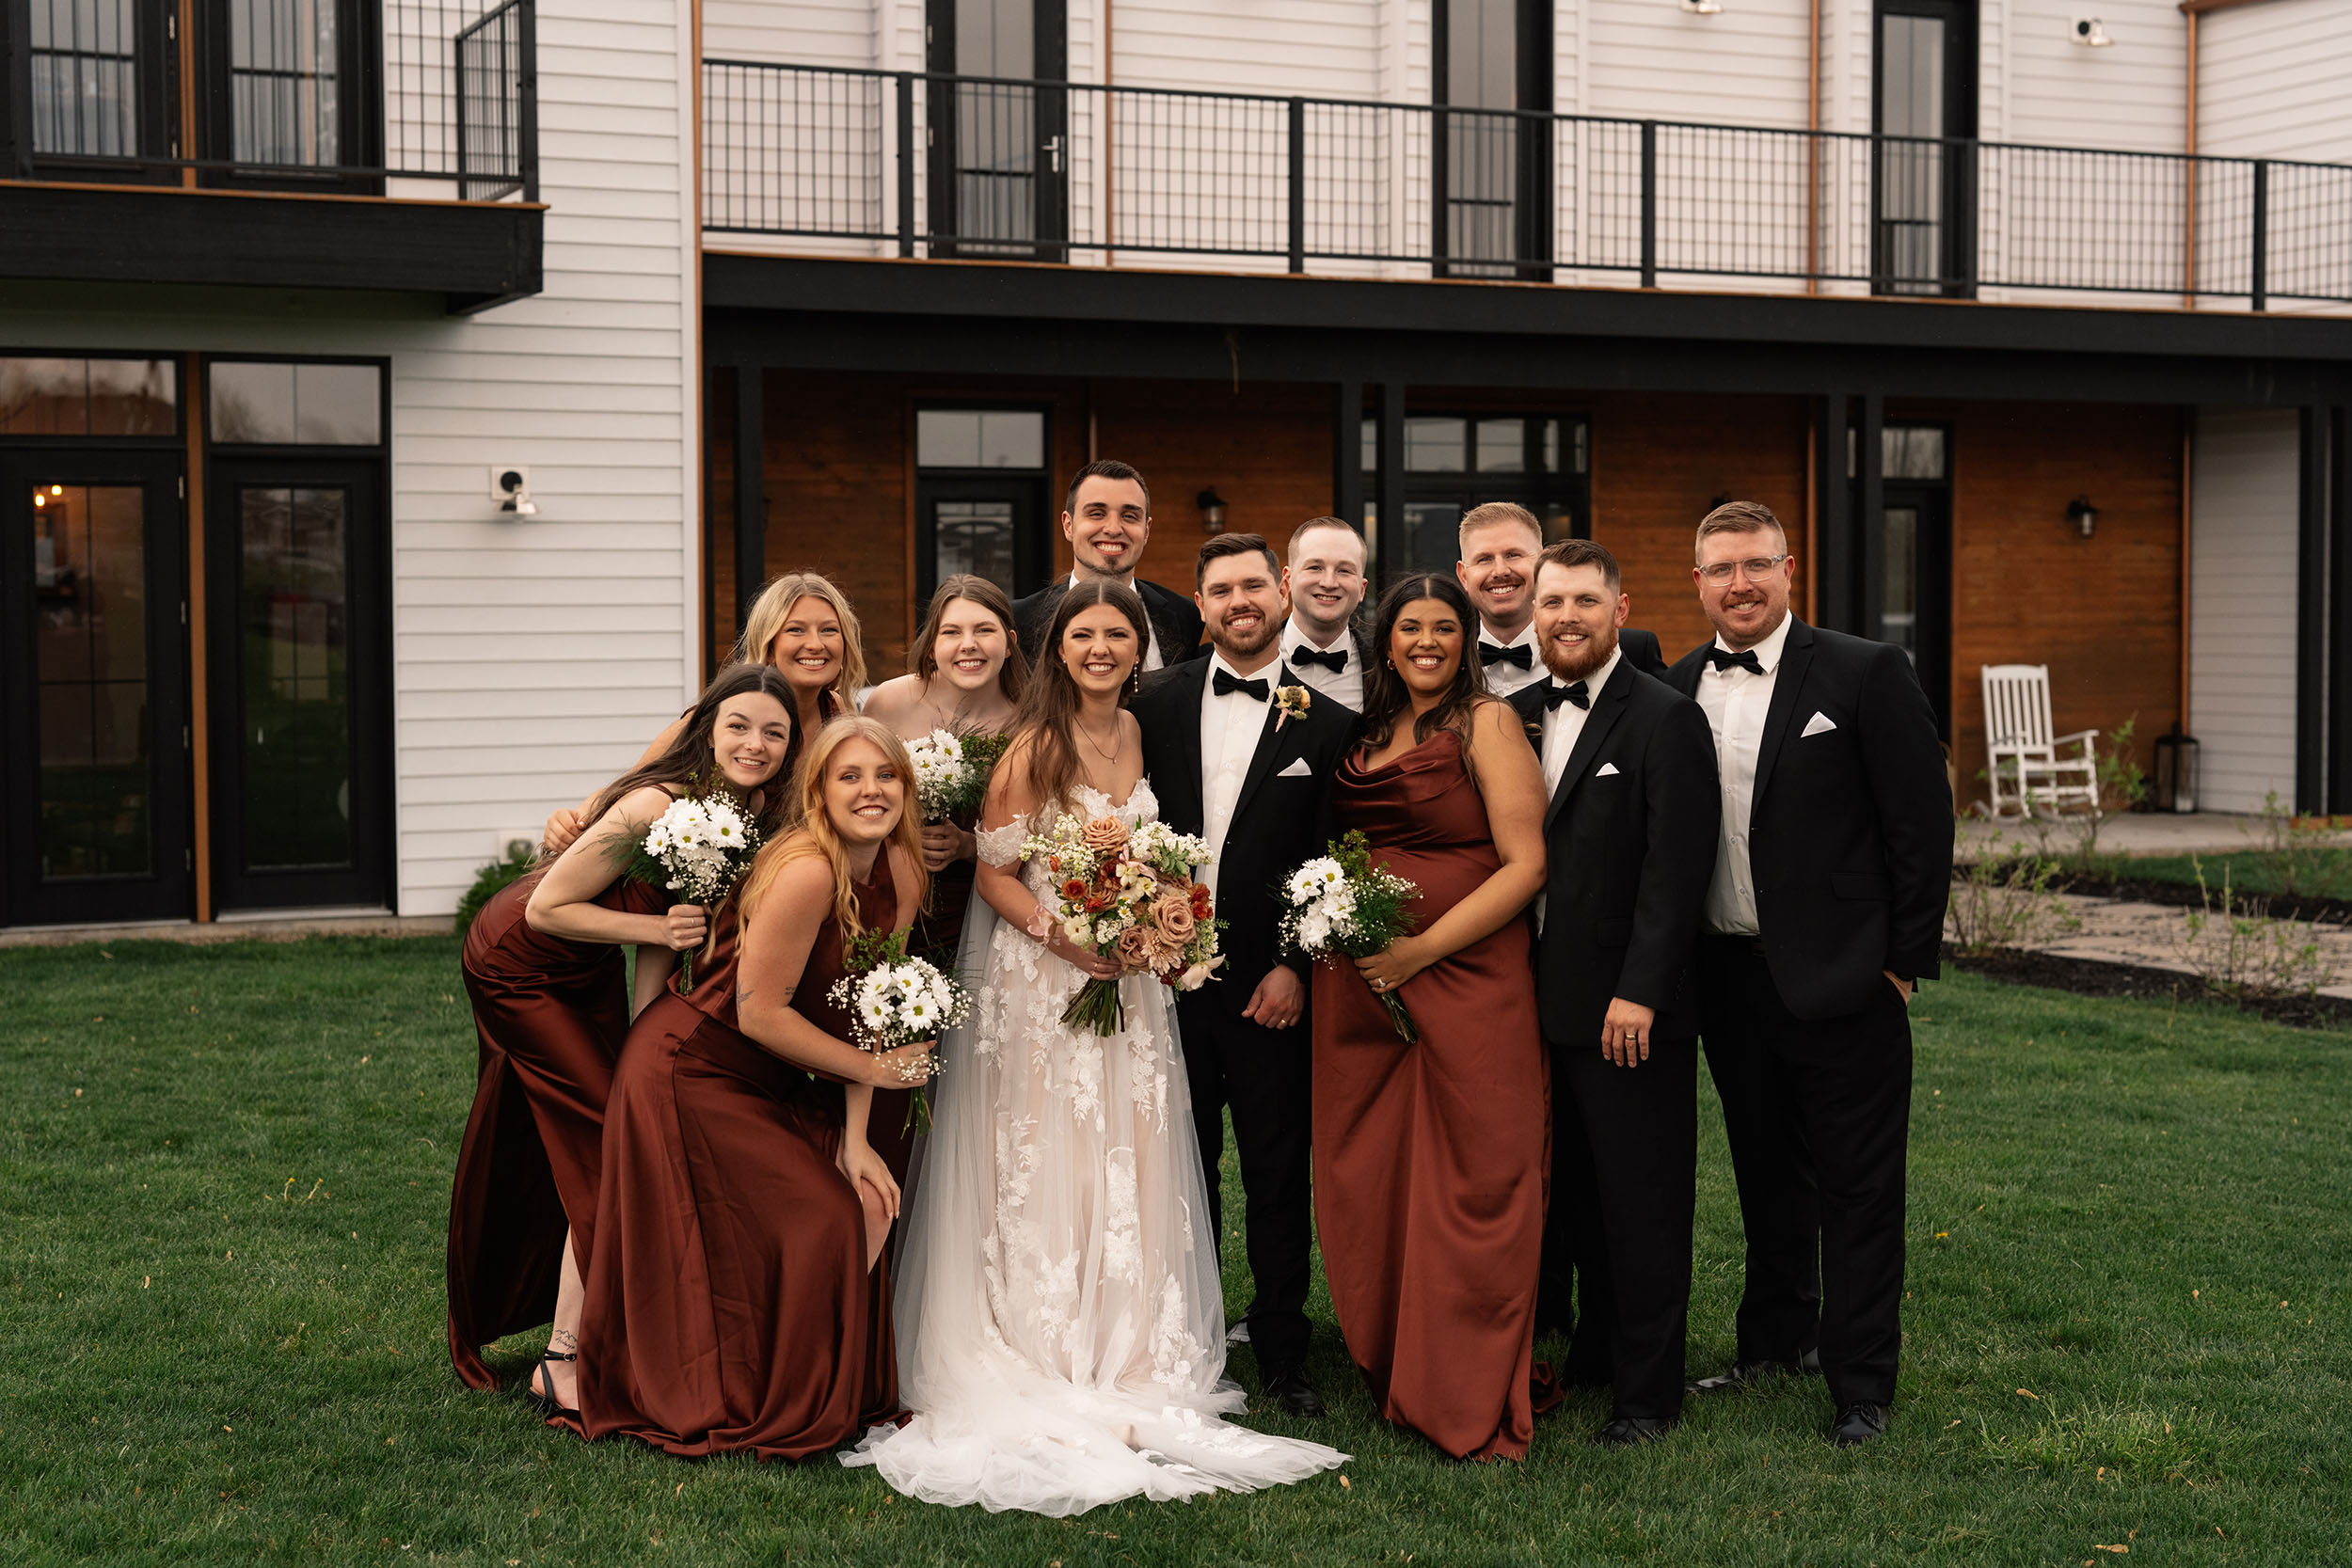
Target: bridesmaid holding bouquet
(1430, 1154)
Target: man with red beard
(1231, 761)
(1630, 766)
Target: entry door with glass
(980, 501)
(95, 689)
(1912, 605)
(999, 148)
(1923, 193)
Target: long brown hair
(773, 608)
(1012, 677)
(816, 835)
(1386, 696)
(1050, 705)
(689, 759)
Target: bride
(1061, 1327)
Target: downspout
(1813, 154)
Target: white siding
(2272, 81)
(2241, 596)
(1649, 59)
(533, 658)
(2131, 95)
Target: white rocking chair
(2028, 773)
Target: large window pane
(979, 438)
(84, 70)
(1911, 451)
(296, 734)
(1899, 614)
(1501, 446)
(284, 404)
(88, 397)
(283, 82)
(90, 593)
(974, 536)
(1434, 446)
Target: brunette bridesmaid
(1430, 1158)
(543, 969)
(734, 1298)
(804, 625)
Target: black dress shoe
(1628, 1432)
(1857, 1424)
(1742, 1374)
(1290, 1389)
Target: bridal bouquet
(1344, 905)
(697, 849)
(1128, 894)
(951, 772)
(892, 1000)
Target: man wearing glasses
(1832, 872)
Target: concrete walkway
(2157, 936)
(2132, 832)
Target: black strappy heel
(544, 1399)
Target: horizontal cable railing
(447, 93)
(974, 167)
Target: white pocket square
(1820, 723)
(1297, 769)
(1606, 770)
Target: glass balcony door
(289, 92)
(93, 702)
(999, 150)
(1492, 165)
(1923, 190)
(99, 83)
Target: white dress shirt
(1229, 727)
(1344, 687)
(1503, 679)
(1152, 660)
(1737, 704)
(1563, 726)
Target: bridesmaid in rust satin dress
(1431, 1157)
(543, 969)
(734, 1298)
(966, 677)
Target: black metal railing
(959, 166)
(293, 94)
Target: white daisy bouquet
(1128, 894)
(697, 849)
(892, 1000)
(1344, 906)
(951, 772)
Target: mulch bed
(2096, 978)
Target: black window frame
(1033, 553)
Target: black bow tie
(1495, 653)
(1333, 660)
(1228, 683)
(1579, 693)
(1746, 658)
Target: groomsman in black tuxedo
(1630, 838)
(1232, 762)
(1325, 639)
(1499, 544)
(1826, 909)
(1106, 516)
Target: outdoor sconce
(2091, 33)
(2084, 516)
(1702, 7)
(510, 486)
(1212, 507)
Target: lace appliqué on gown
(1060, 1324)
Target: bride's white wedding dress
(1061, 1330)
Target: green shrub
(488, 881)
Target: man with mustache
(1630, 834)
(1499, 542)
(1325, 580)
(1831, 879)
(1106, 516)
(1229, 762)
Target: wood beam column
(1832, 575)
(1869, 599)
(1347, 451)
(2339, 531)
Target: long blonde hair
(816, 835)
(773, 607)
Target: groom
(1233, 762)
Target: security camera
(1702, 7)
(2091, 33)
(510, 486)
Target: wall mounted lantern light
(2084, 516)
(1212, 507)
(2091, 33)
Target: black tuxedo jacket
(1643, 651)
(1175, 620)
(1850, 828)
(1630, 835)
(1280, 820)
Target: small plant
(2122, 786)
(487, 883)
(2004, 898)
(2237, 950)
(2296, 852)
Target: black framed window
(1924, 186)
(289, 92)
(999, 150)
(1910, 598)
(981, 500)
(1455, 461)
(1491, 68)
(91, 88)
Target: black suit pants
(1264, 1076)
(1625, 1159)
(1818, 1114)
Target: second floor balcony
(345, 144)
(914, 164)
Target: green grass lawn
(2318, 873)
(225, 1175)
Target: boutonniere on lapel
(1290, 702)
